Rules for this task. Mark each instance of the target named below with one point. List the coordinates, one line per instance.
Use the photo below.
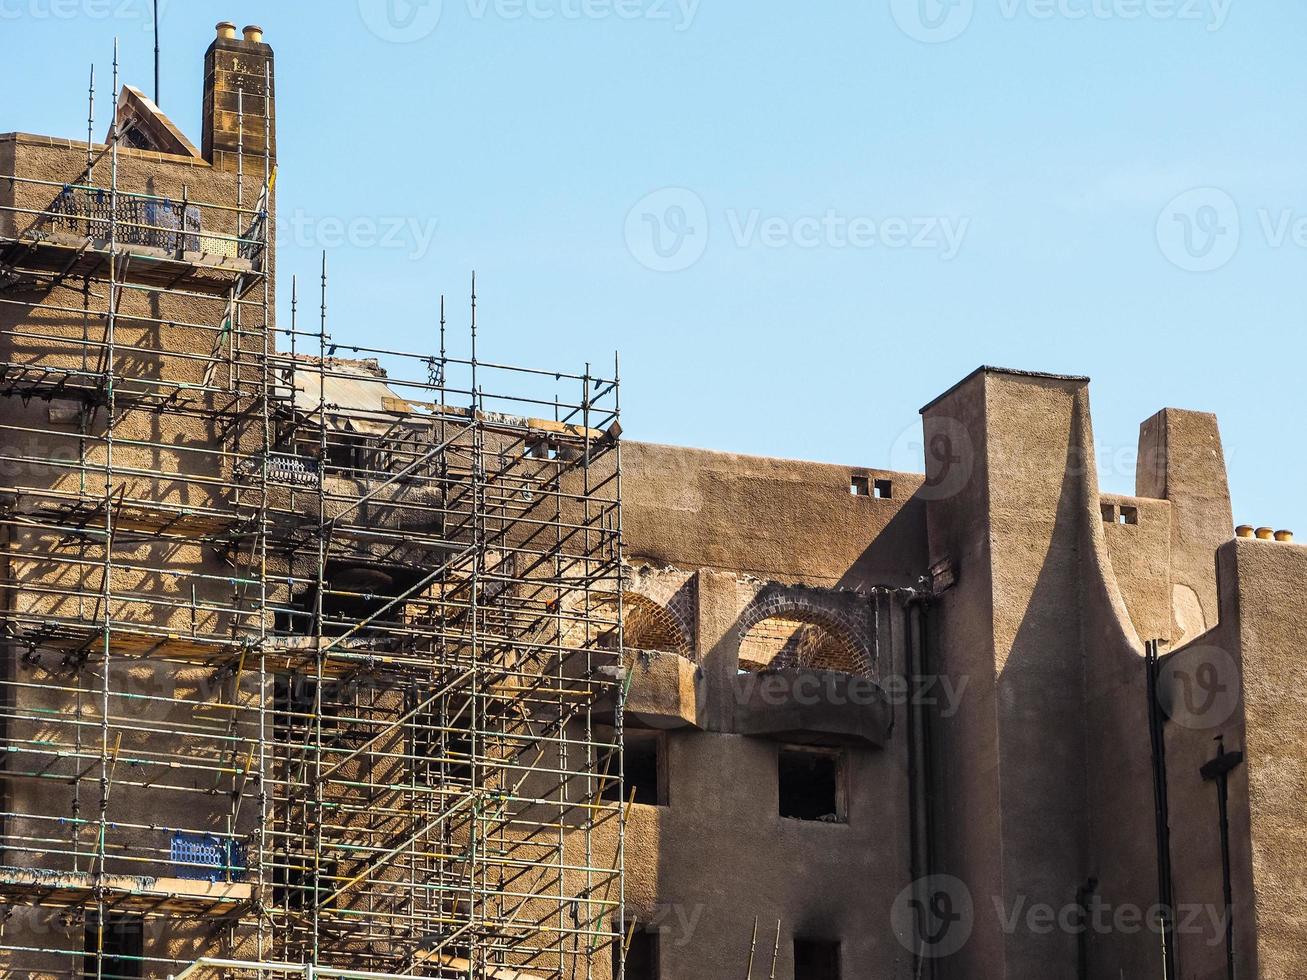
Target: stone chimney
(233, 66)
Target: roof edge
(1014, 372)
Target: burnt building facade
(322, 659)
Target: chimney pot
(1244, 531)
(1265, 534)
(227, 31)
(1285, 536)
(254, 33)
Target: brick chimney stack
(233, 65)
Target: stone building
(328, 660)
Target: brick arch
(787, 628)
(647, 624)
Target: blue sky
(798, 223)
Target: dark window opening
(1130, 515)
(294, 699)
(354, 592)
(354, 454)
(293, 877)
(861, 486)
(884, 489)
(1109, 513)
(123, 948)
(641, 955)
(816, 960)
(443, 750)
(643, 764)
(810, 785)
(294, 704)
(542, 449)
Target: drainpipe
(1218, 771)
(919, 759)
(1162, 814)
(1084, 895)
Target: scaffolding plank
(76, 889)
(78, 257)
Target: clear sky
(797, 222)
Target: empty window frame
(642, 955)
(645, 767)
(812, 784)
(123, 947)
(1125, 514)
(816, 959)
(861, 485)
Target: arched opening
(647, 625)
(801, 639)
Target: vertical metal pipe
(1218, 771)
(90, 130)
(111, 409)
(1162, 815)
(156, 54)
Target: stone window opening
(816, 959)
(862, 485)
(644, 763)
(812, 784)
(642, 953)
(1129, 516)
(541, 448)
(122, 951)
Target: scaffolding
(311, 659)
